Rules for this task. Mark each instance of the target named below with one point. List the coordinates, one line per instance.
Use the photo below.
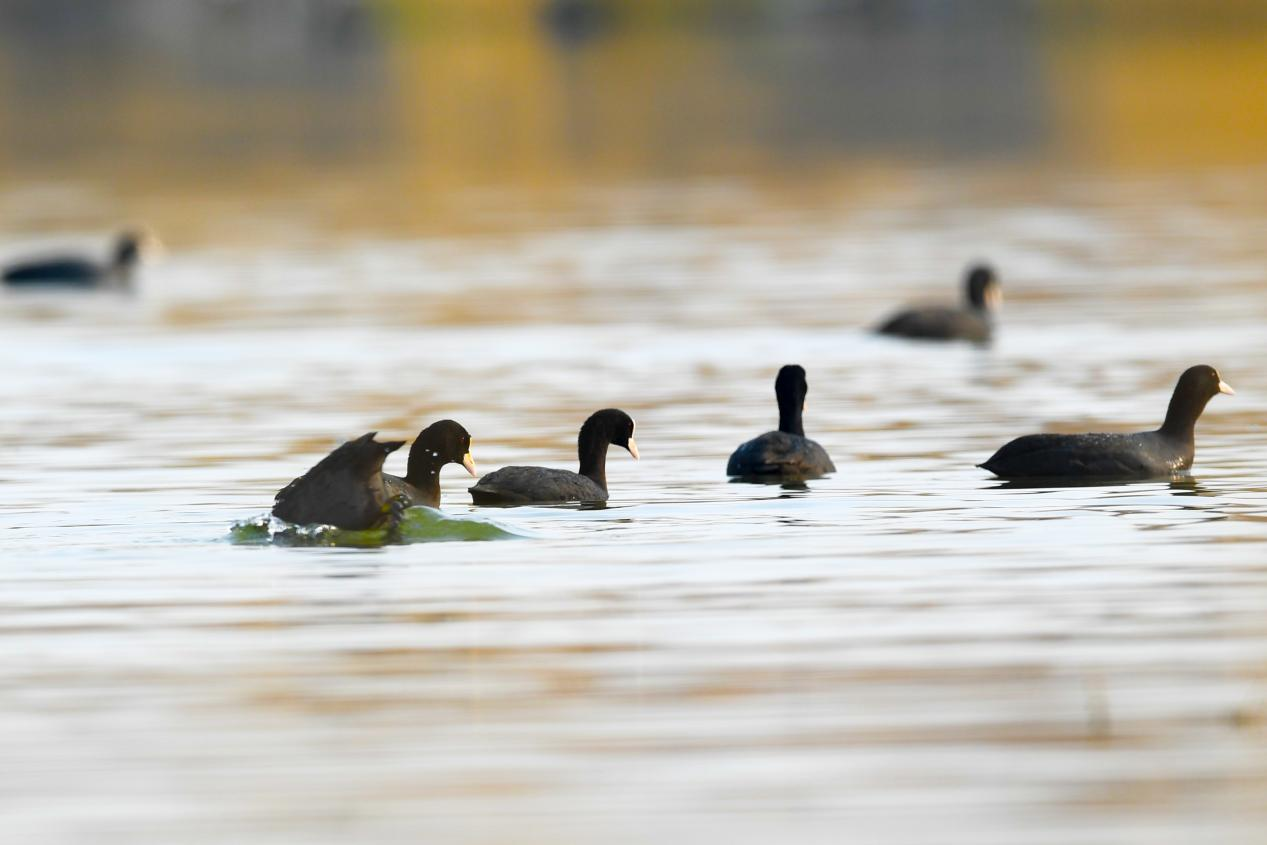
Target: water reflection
(377, 112)
(1180, 485)
(791, 488)
(1190, 486)
(1063, 483)
(189, 82)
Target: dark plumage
(518, 485)
(1146, 454)
(345, 489)
(443, 442)
(786, 453)
(973, 321)
(75, 271)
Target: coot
(443, 442)
(79, 271)
(1146, 454)
(974, 321)
(786, 453)
(345, 489)
(516, 485)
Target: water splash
(419, 525)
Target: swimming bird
(345, 489)
(79, 271)
(973, 321)
(517, 485)
(786, 453)
(443, 442)
(1146, 454)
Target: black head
(790, 388)
(1197, 386)
(1202, 382)
(610, 425)
(982, 288)
(603, 427)
(443, 442)
(791, 382)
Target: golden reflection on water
(1163, 99)
(444, 117)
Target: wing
(345, 488)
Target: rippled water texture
(907, 651)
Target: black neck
(978, 303)
(125, 257)
(790, 416)
(593, 454)
(424, 472)
(1182, 415)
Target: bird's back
(777, 453)
(61, 272)
(535, 485)
(1141, 455)
(937, 323)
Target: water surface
(905, 650)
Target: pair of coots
(348, 488)
(1145, 454)
(973, 321)
(787, 453)
(76, 271)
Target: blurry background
(408, 117)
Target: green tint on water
(419, 525)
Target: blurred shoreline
(398, 113)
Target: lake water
(905, 652)
(905, 649)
